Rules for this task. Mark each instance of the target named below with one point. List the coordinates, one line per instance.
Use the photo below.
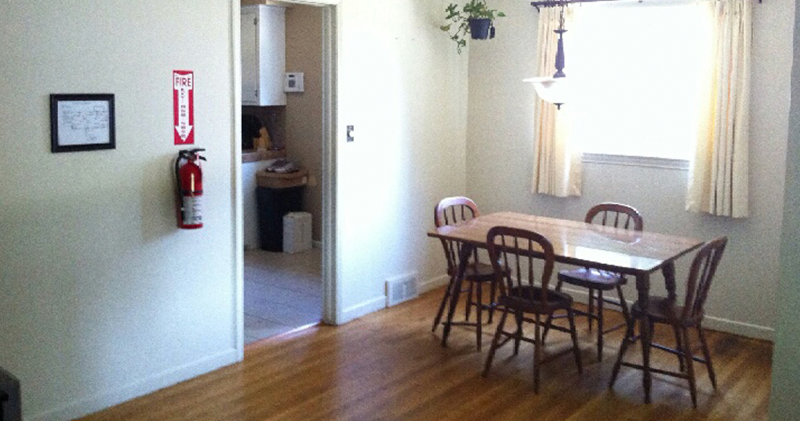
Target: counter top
(252, 155)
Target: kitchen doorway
(284, 292)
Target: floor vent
(401, 288)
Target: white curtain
(718, 174)
(557, 163)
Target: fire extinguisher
(189, 189)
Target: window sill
(636, 161)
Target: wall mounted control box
(293, 82)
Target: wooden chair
(598, 281)
(453, 211)
(666, 310)
(513, 253)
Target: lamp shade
(554, 90)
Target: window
(637, 72)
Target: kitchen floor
(282, 292)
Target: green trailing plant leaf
(459, 19)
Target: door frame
(330, 286)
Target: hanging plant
(474, 18)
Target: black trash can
(10, 397)
(273, 204)
(277, 195)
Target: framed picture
(81, 122)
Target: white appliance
(296, 232)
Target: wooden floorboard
(389, 366)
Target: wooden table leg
(463, 258)
(643, 287)
(669, 279)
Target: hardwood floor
(389, 366)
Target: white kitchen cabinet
(263, 55)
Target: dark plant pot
(481, 28)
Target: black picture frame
(81, 122)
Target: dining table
(636, 253)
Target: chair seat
(663, 310)
(591, 278)
(528, 299)
(479, 272)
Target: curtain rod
(556, 3)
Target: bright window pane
(637, 72)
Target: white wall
(304, 109)
(402, 86)
(103, 298)
(500, 165)
(785, 370)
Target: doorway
(283, 292)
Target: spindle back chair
(515, 255)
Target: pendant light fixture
(554, 89)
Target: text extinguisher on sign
(189, 191)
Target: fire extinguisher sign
(183, 106)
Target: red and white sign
(183, 106)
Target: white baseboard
(739, 328)
(362, 309)
(434, 283)
(710, 322)
(138, 388)
(379, 303)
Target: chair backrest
(704, 266)
(615, 215)
(513, 253)
(453, 211)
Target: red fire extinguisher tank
(189, 189)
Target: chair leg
(479, 315)
(547, 324)
(468, 310)
(626, 341)
(707, 356)
(687, 351)
(442, 306)
(549, 321)
(495, 342)
(537, 353)
(652, 330)
(493, 298)
(591, 308)
(518, 315)
(574, 334)
(599, 325)
(679, 347)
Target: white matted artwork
(81, 122)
